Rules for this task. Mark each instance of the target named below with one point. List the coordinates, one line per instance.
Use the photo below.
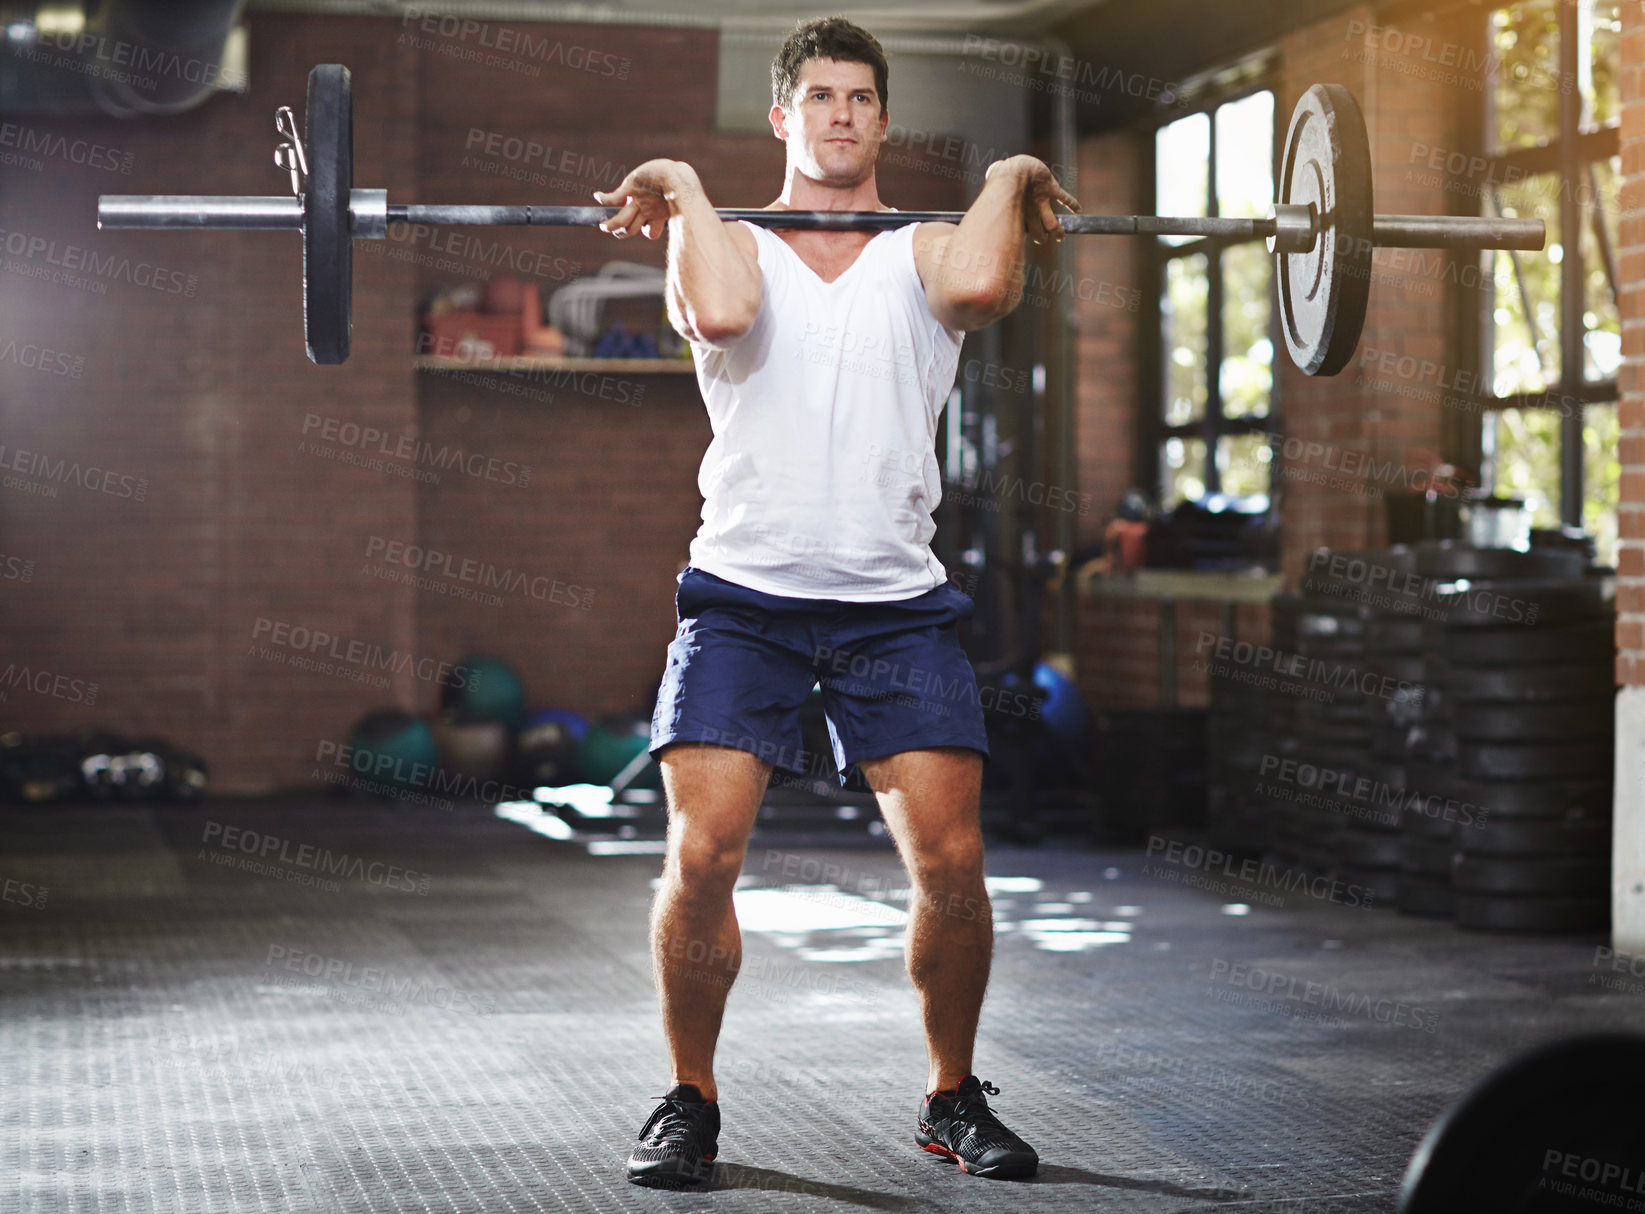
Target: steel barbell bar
(174, 212)
(1321, 229)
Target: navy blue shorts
(893, 675)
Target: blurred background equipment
(94, 763)
(391, 752)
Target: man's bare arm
(713, 268)
(972, 271)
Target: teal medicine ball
(610, 745)
(481, 688)
(390, 752)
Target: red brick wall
(1631, 509)
(1360, 418)
(1105, 352)
(202, 396)
(1118, 644)
(612, 503)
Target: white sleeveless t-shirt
(822, 476)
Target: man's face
(835, 125)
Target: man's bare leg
(714, 795)
(929, 800)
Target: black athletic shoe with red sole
(961, 1127)
(678, 1141)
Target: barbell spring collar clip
(289, 155)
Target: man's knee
(707, 858)
(953, 862)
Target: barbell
(1321, 229)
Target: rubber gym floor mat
(312, 1005)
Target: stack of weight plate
(1429, 761)
(1391, 688)
(1410, 736)
(1236, 820)
(1532, 685)
(1285, 834)
(1334, 726)
(1424, 784)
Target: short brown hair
(827, 38)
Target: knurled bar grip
(276, 212)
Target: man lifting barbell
(772, 593)
(819, 355)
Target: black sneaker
(960, 1126)
(678, 1142)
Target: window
(1216, 323)
(1552, 329)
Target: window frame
(1569, 155)
(1214, 425)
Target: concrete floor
(459, 1016)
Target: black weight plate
(1586, 641)
(1511, 837)
(1330, 623)
(1361, 849)
(1432, 742)
(1359, 566)
(1437, 813)
(1532, 913)
(1322, 755)
(1427, 898)
(1548, 722)
(1394, 635)
(1435, 700)
(1404, 668)
(1389, 772)
(1352, 711)
(1567, 876)
(1531, 684)
(1434, 706)
(1324, 738)
(1326, 164)
(1334, 653)
(1381, 883)
(1427, 747)
(1525, 603)
(1372, 809)
(1536, 798)
(1450, 559)
(1578, 1098)
(1373, 818)
(1545, 761)
(328, 243)
(1406, 698)
(1430, 778)
(1427, 857)
(1430, 820)
(1388, 743)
